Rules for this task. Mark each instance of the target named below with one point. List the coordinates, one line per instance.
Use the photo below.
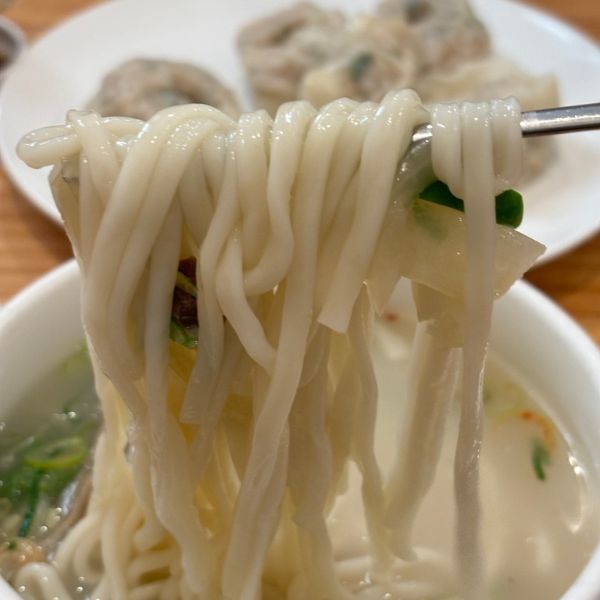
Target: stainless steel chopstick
(548, 121)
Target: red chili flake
(544, 424)
(390, 316)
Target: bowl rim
(41, 286)
(573, 337)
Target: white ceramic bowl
(41, 327)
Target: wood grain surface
(30, 244)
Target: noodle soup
(539, 492)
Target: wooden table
(31, 245)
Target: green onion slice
(183, 336)
(540, 459)
(59, 454)
(509, 204)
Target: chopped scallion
(184, 283)
(65, 453)
(183, 336)
(540, 459)
(509, 204)
(33, 497)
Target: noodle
(237, 451)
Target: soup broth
(539, 501)
(45, 463)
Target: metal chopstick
(548, 121)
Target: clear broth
(541, 515)
(540, 504)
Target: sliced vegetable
(32, 500)
(65, 453)
(509, 204)
(540, 459)
(186, 284)
(183, 336)
(509, 208)
(425, 220)
(187, 267)
(435, 255)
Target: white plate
(64, 68)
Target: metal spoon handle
(548, 121)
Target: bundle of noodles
(237, 449)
